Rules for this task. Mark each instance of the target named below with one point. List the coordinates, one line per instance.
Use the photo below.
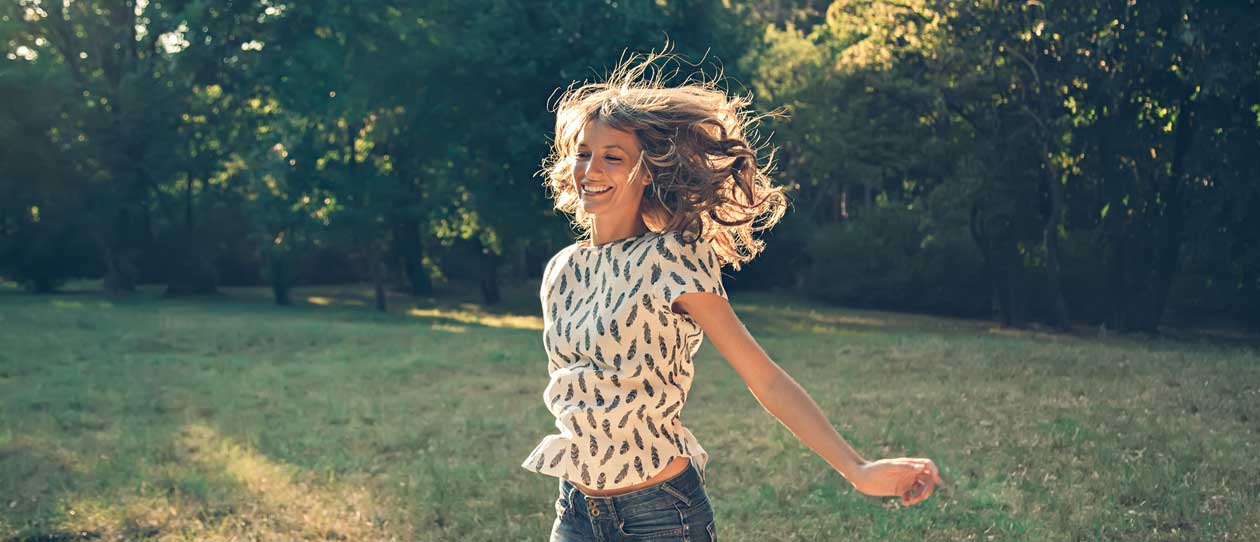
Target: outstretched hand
(911, 478)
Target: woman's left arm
(779, 394)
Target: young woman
(666, 183)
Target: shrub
(880, 259)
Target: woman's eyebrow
(618, 147)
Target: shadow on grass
(199, 481)
(457, 305)
(769, 312)
(31, 501)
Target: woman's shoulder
(684, 263)
(559, 256)
(672, 244)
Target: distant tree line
(1084, 161)
(1060, 161)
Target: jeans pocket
(655, 523)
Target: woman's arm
(779, 394)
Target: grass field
(226, 418)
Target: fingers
(928, 492)
(926, 477)
(921, 490)
(927, 486)
(930, 469)
(936, 473)
(918, 481)
(910, 477)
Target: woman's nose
(592, 171)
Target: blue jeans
(674, 510)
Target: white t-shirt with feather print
(619, 360)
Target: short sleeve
(545, 284)
(680, 267)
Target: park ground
(227, 418)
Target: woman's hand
(911, 478)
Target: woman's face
(604, 160)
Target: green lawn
(226, 418)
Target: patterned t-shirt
(620, 360)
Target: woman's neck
(610, 234)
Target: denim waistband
(682, 485)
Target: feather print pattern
(619, 375)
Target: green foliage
(883, 259)
(1098, 154)
(42, 256)
(867, 263)
(1029, 127)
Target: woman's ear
(643, 171)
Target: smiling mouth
(595, 192)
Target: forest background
(1035, 163)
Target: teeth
(591, 191)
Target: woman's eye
(581, 155)
(612, 158)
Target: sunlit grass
(324, 301)
(226, 418)
(470, 315)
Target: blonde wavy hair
(698, 148)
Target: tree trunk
(1168, 226)
(1116, 283)
(1014, 302)
(411, 252)
(522, 261)
(376, 264)
(191, 269)
(837, 204)
(119, 273)
(1050, 243)
(976, 227)
(816, 213)
(489, 275)
(280, 280)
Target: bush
(1083, 272)
(951, 278)
(783, 263)
(866, 262)
(879, 259)
(43, 256)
